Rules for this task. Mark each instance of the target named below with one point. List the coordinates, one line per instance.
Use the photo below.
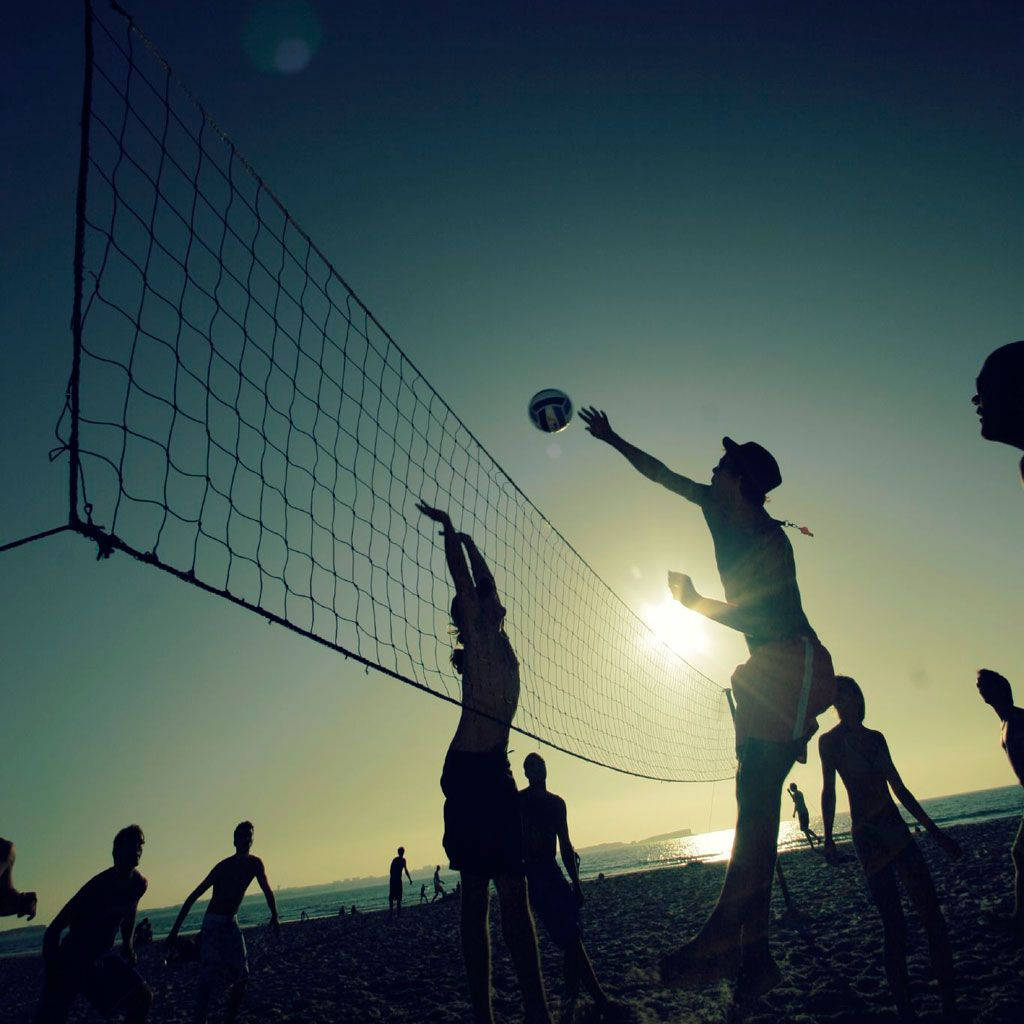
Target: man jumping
(778, 693)
(222, 946)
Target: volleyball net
(237, 416)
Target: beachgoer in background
(354, 911)
(787, 682)
(995, 691)
(483, 835)
(12, 902)
(423, 893)
(438, 884)
(800, 812)
(553, 899)
(84, 963)
(398, 865)
(303, 916)
(222, 949)
(143, 932)
(999, 397)
(883, 842)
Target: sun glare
(677, 627)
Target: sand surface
(373, 969)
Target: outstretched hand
(950, 847)
(597, 423)
(437, 514)
(682, 589)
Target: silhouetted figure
(354, 911)
(143, 932)
(12, 902)
(438, 884)
(883, 842)
(423, 893)
(787, 682)
(483, 836)
(223, 955)
(800, 813)
(303, 916)
(996, 692)
(999, 397)
(398, 865)
(552, 898)
(84, 963)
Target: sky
(787, 223)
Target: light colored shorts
(222, 953)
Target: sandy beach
(371, 969)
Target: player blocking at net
(779, 692)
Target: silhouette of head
(128, 845)
(401, 851)
(243, 836)
(535, 768)
(1000, 395)
(748, 471)
(792, 787)
(438, 868)
(995, 690)
(849, 700)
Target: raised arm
(683, 590)
(187, 906)
(568, 852)
(905, 797)
(828, 795)
(268, 893)
(652, 468)
(51, 937)
(453, 552)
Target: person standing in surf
(800, 812)
(483, 835)
(779, 692)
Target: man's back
(99, 907)
(231, 877)
(397, 866)
(543, 816)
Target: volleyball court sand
(370, 969)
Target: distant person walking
(84, 963)
(438, 884)
(222, 952)
(999, 397)
(553, 899)
(398, 865)
(483, 835)
(779, 692)
(995, 691)
(12, 902)
(883, 842)
(801, 814)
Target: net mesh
(239, 418)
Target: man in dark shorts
(779, 692)
(801, 814)
(552, 898)
(222, 952)
(12, 902)
(884, 845)
(438, 884)
(999, 397)
(398, 865)
(84, 963)
(995, 691)
(483, 835)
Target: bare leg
(886, 896)
(476, 945)
(203, 992)
(1017, 855)
(235, 996)
(521, 939)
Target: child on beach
(12, 902)
(779, 693)
(995, 691)
(223, 954)
(483, 836)
(884, 845)
(999, 397)
(800, 813)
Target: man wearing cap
(779, 692)
(999, 397)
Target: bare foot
(695, 964)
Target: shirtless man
(222, 946)
(12, 902)
(999, 397)
(779, 692)
(800, 812)
(398, 865)
(438, 884)
(483, 835)
(883, 842)
(85, 962)
(552, 898)
(996, 692)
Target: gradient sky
(787, 223)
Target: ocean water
(617, 859)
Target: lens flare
(281, 36)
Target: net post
(79, 261)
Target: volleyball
(550, 410)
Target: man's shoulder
(139, 882)
(831, 738)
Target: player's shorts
(395, 890)
(554, 902)
(222, 952)
(781, 690)
(107, 983)
(483, 834)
